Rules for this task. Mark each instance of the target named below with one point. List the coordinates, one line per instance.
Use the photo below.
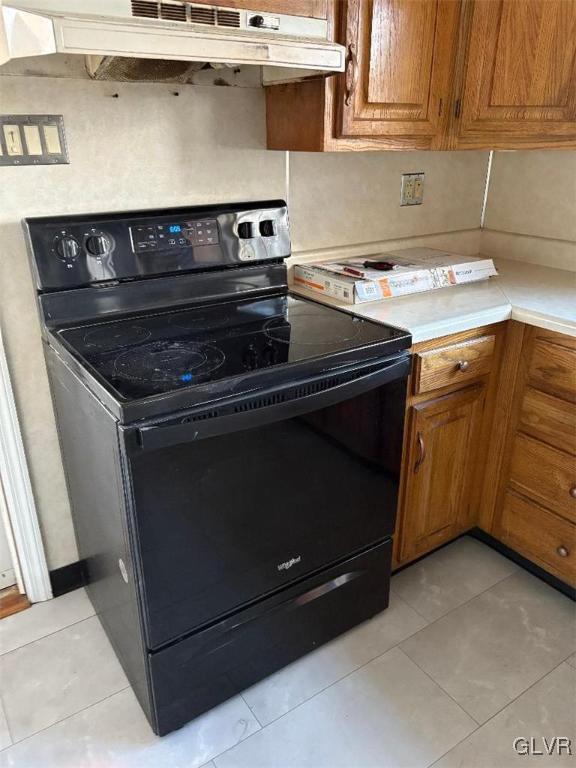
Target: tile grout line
(351, 672)
(456, 607)
(254, 715)
(502, 709)
(397, 645)
(439, 619)
(63, 719)
(437, 684)
(461, 605)
(50, 634)
(398, 596)
(348, 674)
(8, 728)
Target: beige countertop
(532, 294)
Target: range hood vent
(228, 18)
(173, 30)
(187, 13)
(173, 11)
(146, 9)
(202, 15)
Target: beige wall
(149, 148)
(531, 208)
(345, 198)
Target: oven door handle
(192, 428)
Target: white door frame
(20, 504)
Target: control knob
(267, 228)
(98, 245)
(257, 21)
(67, 248)
(245, 230)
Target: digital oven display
(174, 235)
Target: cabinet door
(441, 468)
(519, 85)
(401, 56)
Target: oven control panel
(75, 251)
(168, 236)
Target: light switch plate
(412, 190)
(32, 140)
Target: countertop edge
(509, 284)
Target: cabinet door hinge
(457, 108)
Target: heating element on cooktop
(162, 352)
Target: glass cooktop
(153, 354)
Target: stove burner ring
(108, 337)
(173, 362)
(319, 330)
(189, 321)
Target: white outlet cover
(412, 189)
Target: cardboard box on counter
(415, 270)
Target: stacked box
(415, 270)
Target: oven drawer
(453, 364)
(545, 474)
(201, 671)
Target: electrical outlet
(412, 190)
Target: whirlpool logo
(289, 563)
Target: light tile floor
(472, 653)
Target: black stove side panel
(92, 464)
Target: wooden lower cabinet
(497, 451)
(543, 537)
(535, 508)
(440, 469)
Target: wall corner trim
(486, 188)
(18, 494)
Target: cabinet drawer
(544, 474)
(453, 364)
(549, 419)
(553, 369)
(541, 536)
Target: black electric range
(215, 344)
(232, 451)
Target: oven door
(230, 504)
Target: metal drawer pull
(463, 365)
(563, 551)
(573, 491)
(421, 452)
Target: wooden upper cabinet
(401, 55)
(519, 85)
(437, 74)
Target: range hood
(170, 30)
